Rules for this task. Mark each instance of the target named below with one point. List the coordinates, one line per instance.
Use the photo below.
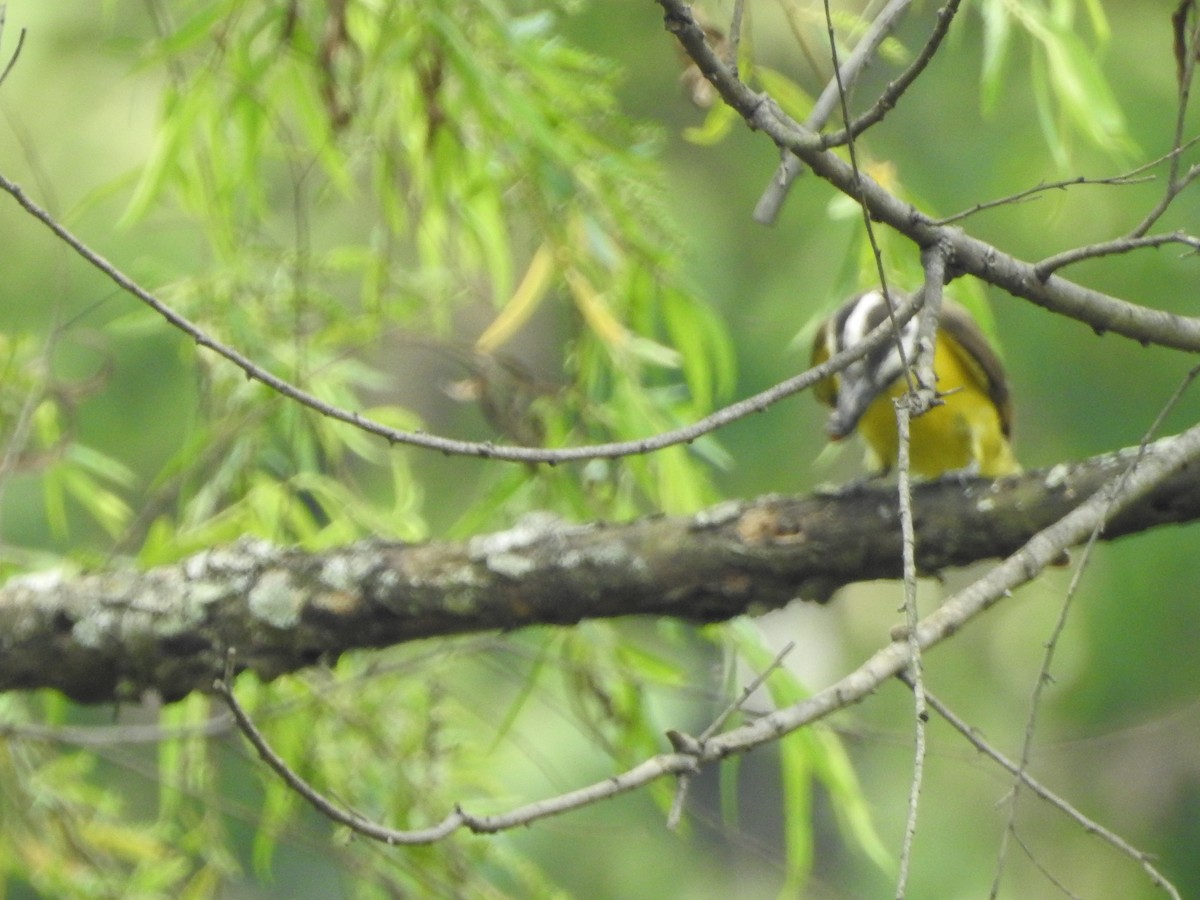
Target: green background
(1120, 724)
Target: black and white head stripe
(865, 378)
(859, 317)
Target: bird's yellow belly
(963, 431)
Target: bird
(968, 431)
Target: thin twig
(1176, 184)
(684, 743)
(319, 802)
(1044, 869)
(1133, 176)
(1088, 825)
(1043, 676)
(747, 692)
(1102, 312)
(915, 402)
(769, 204)
(934, 260)
(911, 617)
(1037, 189)
(894, 659)
(682, 786)
(880, 271)
(485, 449)
(903, 408)
(16, 54)
(795, 19)
(1052, 264)
(895, 89)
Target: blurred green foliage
(504, 221)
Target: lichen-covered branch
(112, 635)
(1118, 496)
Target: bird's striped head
(865, 378)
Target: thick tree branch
(1139, 474)
(115, 635)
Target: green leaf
(997, 39)
(1084, 94)
(793, 99)
(717, 125)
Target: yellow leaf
(522, 303)
(597, 314)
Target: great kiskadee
(969, 429)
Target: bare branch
(687, 744)
(958, 610)
(747, 692)
(323, 805)
(487, 449)
(916, 401)
(771, 201)
(904, 407)
(1090, 826)
(1044, 673)
(735, 31)
(1187, 44)
(115, 635)
(1104, 313)
(1155, 468)
(840, 96)
(895, 89)
(934, 261)
(639, 776)
(1135, 240)
(1133, 176)
(1034, 191)
(1111, 248)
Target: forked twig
(767, 209)
(1088, 825)
(686, 744)
(1044, 677)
